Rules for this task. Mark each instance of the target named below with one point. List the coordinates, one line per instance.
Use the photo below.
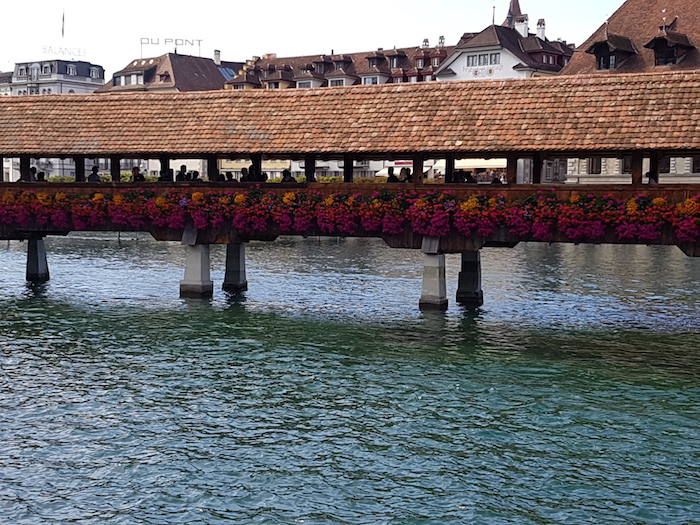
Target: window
(72, 71)
(483, 60)
(495, 59)
(436, 61)
(117, 81)
(665, 165)
(428, 78)
(22, 72)
(626, 165)
(71, 91)
(394, 62)
(696, 164)
(607, 61)
(398, 80)
(665, 54)
(138, 78)
(306, 84)
(595, 165)
(45, 69)
(48, 91)
(413, 79)
(372, 62)
(94, 72)
(273, 85)
(419, 63)
(337, 82)
(370, 80)
(238, 86)
(127, 80)
(319, 68)
(472, 61)
(266, 73)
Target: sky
(112, 34)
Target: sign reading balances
(65, 51)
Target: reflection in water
(323, 394)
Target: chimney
(217, 57)
(540, 29)
(521, 25)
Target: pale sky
(110, 33)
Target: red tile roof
(639, 21)
(555, 114)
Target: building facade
(48, 77)
(642, 36)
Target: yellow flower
(8, 198)
(574, 199)
(289, 197)
(224, 200)
(197, 197)
(493, 201)
(118, 199)
(161, 202)
(329, 201)
(470, 204)
(60, 197)
(97, 197)
(44, 198)
(351, 200)
(689, 207)
(632, 206)
(239, 199)
(659, 201)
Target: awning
(473, 164)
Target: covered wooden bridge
(639, 116)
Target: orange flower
(161, 202)
(224, 200)
(574, 199)
(289, 197)
(60, 197)
(659, 201)
(8, 197)
(97, 197)
(117, 199)
(239, 199)
(632, 206)
(44, 198)
(197, 197)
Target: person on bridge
(94, 175)
(391, 178)
(136, 175)
(287, 176)
(406, 175)
(182, 174)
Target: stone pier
(37, 266)
(197, 282)
(234, 277)
(434, 289)
(469, 292)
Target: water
(325, 396)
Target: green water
(325, 396)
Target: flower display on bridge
(541, 216)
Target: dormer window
(320, 68)
(372, 62)
(669, 47)
(94, 72)
(610, 53)
(436, 61)
(420, 63)
(394, 62)
(22, 72)
(71, 70)
(46, 69)
(340, 65)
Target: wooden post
(418, 169)
(512, 169)
(310, 167)
(164, 175)
(537, 162)
(449, 168)
(256, 165)
(115, 168)
(654, 159)
(213, 168)
(637, 167)
(348, 168)
(79, 168)
(24, 162)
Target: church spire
(513, 12)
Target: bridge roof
(571, 114)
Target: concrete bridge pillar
(234, 277)
(433, 290)
(197, 282)
(469, 292)
(37, 266)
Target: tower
(513, 12)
